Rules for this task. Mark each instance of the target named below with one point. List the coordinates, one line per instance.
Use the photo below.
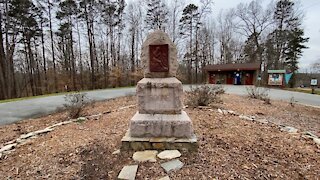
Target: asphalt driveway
(18, 110)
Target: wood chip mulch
(229, 148)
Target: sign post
(313, 83)
(259, 80)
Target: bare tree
(134, 18)
(316, 66)
(253, 20)
(225, 35)
(49, 13)
(175, 10)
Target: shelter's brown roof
(232, 67)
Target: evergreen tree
(287, 38)
(87, 11)
(120, 26)
(285, 20)
(157, 15)
(23, 14)
(66, 14)
(250, 50)
(270, 52)
(294, 51)
(189, 23)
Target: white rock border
(10, 145)
(284, 128)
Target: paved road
(17, 110)
(14, 111)
(278, 94)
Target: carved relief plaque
(159, 57)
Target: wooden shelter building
(238, 74)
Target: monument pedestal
(160, 122)
(159, 96)
(161, 125)
(158, 143)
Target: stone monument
(160, 122)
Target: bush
(259, 93)
(292, 101)
(204, 95)
(75, 103)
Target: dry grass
(259, 93)
(204, 95)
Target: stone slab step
(128, 172)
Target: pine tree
(120, 26)
(24, 15)
(189, 23)
(157, 15)
(250, 50)
(285, 20)
(294, 51)
(43, 23)
(87, 14)
(287, 38)
(66, 14)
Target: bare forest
(49, 46)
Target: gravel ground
(229, 148)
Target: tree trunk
(112, 46)
(89, 33)
(3, 93)
(29, 59)
(44, 59)
(73, 60)
(104, 67)
(38, 76)
(52, 48)
(133, 55)
(190, 60)
(94, 51)
(80, 57)
(196, 55)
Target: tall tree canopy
(157, 15)
(49, 46)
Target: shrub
(204, 95)
(75, 103)
(259, 93)
(292, 101)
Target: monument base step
(158, 143)
(161, 125)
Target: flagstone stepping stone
(116, 152)
(263, 121)
(144, 156)
(128, 172)
(289, 129)
(316, 140)
(310, 134)
(246, 118)
(165, 178)
(233, 113)
(8, 147)
(172, 165)
(169, 154)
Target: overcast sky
(311, 25)
(312, 30)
